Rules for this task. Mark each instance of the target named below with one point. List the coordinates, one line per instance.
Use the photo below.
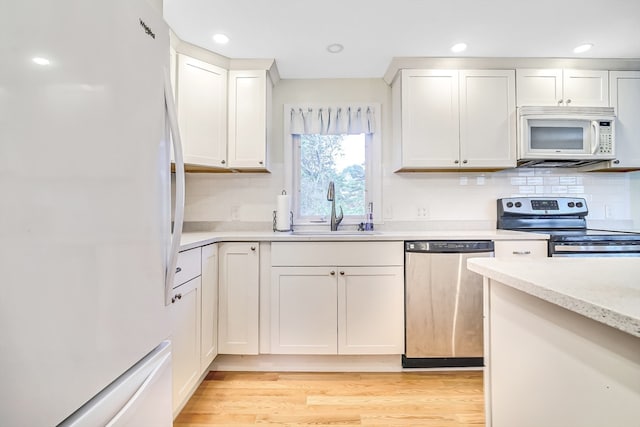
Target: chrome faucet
(331, 196)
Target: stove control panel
(542, 206)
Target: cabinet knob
(179, 296)
(464, 161)
(223, 162)
(178, 270)
(333, 273)
(342, 273)
(173, 300)
(568, 101)
(560, 101)
(261, 162)
(456, 161)
(253, 248)
(616, 162)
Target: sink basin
(333, 233)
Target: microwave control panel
(606, 137)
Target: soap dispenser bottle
(368, 224)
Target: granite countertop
(194, 239)
(603, 289)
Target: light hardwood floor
(443, 399)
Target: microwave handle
(595, 140)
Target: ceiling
(296, 33)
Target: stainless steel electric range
(564, 219)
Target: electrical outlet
(235, 213)
(608, 212)
(423, 212)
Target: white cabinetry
(238, 298)
(337, 298)
(625, 99)
(520, 249)
(209, 322)
(185, 327)
(576, 88)
(202, 112)
(249, 118)
(449, 119)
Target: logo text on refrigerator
(147, 29)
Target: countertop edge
(192, 240)
(589, 309)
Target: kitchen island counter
(562, 341)
(606, 290)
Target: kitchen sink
(333, 233)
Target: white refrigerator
(86, 250)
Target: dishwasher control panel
(449, 246)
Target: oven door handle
(596, 248)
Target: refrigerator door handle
(178, 217)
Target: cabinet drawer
(188, 266)
(520, 249)
(336, 253)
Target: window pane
(337, 158)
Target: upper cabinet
(558, 87)
(625, 99)
(202, 112)
(450, 119)
(249, 118)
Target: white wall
(423, 200)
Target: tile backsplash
(419, 200)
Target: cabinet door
(539, 87)
(209, 323)
(625, 98)
(586, 88)
(370, 310)
(430, 128)
(202, 112)
(185, 338)
(487, 119)
(238, 298)
(248, 105)
(304, 310)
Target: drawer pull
(178, 270)
(333, 273)
(522, 252)
(342, 273)
(253, 248)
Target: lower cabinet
(185, 337)
(239, 298)
(193, 313)
(334, 309)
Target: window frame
(373, 171)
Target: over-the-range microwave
(565, 136)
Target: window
(339, 144)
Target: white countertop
(192, 240)
(603, 289)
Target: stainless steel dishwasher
(443, 303)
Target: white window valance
(332, 120)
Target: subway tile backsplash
(441, 198)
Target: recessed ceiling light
(459, 47)
(41, 61)
(220, 39)
(583, 48)
(335, 48)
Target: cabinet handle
(333, 273)
(522, 252)
(253, 248)
(178, 270)
(179, 296)
(456, 161)
(260, 162)
(342, 273)
(173, 300)
(223, 162)
(464, 161)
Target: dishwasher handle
(449, 246)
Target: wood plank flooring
(442, 399)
